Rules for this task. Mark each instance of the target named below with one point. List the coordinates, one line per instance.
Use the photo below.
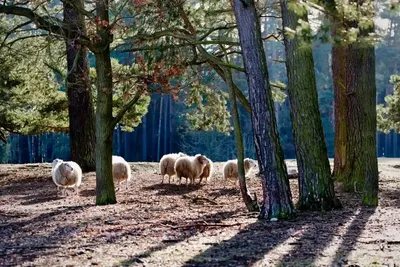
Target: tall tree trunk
(277, 198)
(362, 163)
(251, 204)
(315, 181)
(353, 67)
(339, 85)
(159, 129)
(165, 132)
(144, 138)
(105, 192)
(80, 108)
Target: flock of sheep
(68, 174)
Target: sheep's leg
(77, 190)
(162, 178)
(169, 179)
(201, 179)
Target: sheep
(190, 167)
(207, 171)
(230, 168)
(121, 170)
(66, 174)
(167, 163)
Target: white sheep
(207, 171)
(167, 163)
(230, 168)
(121, 170)
(66, 174)
(190, 167)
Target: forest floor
(173, 225)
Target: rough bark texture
(105, 192)
(251, 204)
(315, 181)
(353, 67)
(80, 109)
(339, 84)
(277, 199)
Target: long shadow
(246, 247)
(389, 197)
(185, 231)
(22, 241)
(28, 186)
(255, 241)
(173, 189)
(353, 232)
(225, 192)
(319, 234)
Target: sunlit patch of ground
(173, 225)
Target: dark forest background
(165, 129)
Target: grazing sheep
(207, 171)
(121, 170)
(66, 174)
(230, 168)
(167, 163)
(190, 167)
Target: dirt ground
(173, 225)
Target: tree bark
(105, 192)
(353, 67)
(316, 190)
(277, 198)
(340, 91)
(80, 108)
(251, 204)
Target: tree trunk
(316, 190)
(251, 204)
(362, 163)
(277, 198)
(144, 138)
(165, 132)
(80, 109)
(105, 192)
(339, 85)
(159, 129)
(353, 66)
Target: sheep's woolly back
(190, 167)
(121, 169)
(66, 173)
(230, 168)
(167, 163)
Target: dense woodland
(225, 79)
(164, 119)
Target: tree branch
(50, 24)
(128, 106)
(12, 31)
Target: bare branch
(128, 106)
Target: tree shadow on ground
(306, 236)
(225, 192)
(389, 197)
(185, 231)
(353, 232)
(25, 240)
(173, 189)
(320, 234)
(28, 186)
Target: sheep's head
(250, 163)
(67, 169)
(202, 159)
(55, 162)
